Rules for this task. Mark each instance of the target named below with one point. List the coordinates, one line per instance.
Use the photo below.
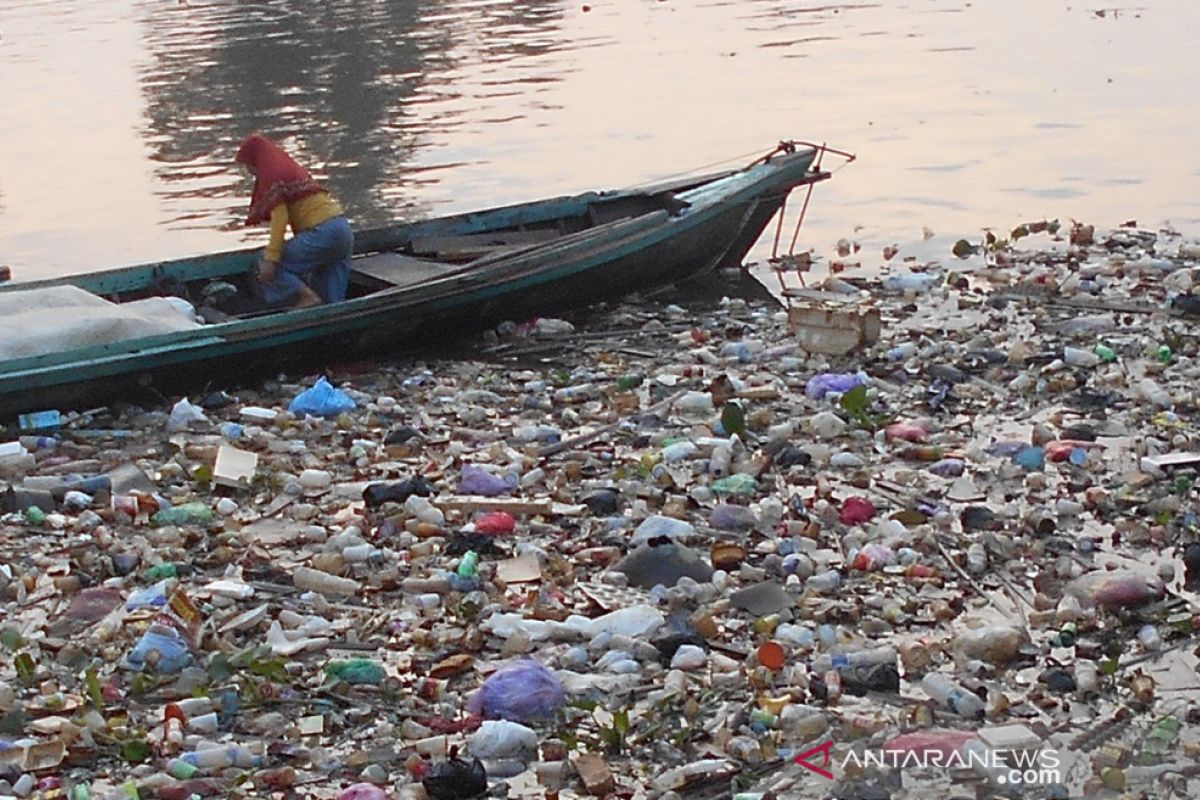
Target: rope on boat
(790, 147)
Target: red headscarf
(277, 178)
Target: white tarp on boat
(57, 318)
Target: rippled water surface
(120, 119)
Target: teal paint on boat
(529, 258)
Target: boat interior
(140, 301)
(414, 254)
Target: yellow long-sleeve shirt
(307, 212)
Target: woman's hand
(266, 271)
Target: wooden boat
(457, 271)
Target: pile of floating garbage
(659, 552)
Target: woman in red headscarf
(313, 266)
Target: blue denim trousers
(319, 257)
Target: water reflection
(351, 88)
(964, 115)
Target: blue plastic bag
(161, 650)
(523, 690)
(322, 400)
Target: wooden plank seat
(468, 247)
(381, 270)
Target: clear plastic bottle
(873, 557)
(802, 723)
(902, 352)
(859, 658)
(949, 695)
(314, 580)
(1150, 391)
(719, 462)
(1087, 679)
(977, 559)
(215, 758)
(1078, 357)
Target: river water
(119, 119)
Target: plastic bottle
(694, 403)
(859, 658)
(977, 559)
(873, 557)
(902, 352)
(1152, 393)
(469, 564)
(1078, 357)
(996, 644)
(719, 462)
(802, 723)
(953, 697)
(35, 443)
(314, 580)
(212, 759)
(678, 451)
(833, 686)
(1087, 679)
(911, 282)
(358, 553)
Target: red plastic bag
(496, 523)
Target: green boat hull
(457, 272)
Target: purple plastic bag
(820, 385)
(728, 517)
(523, 690)
(477, 480)
(948, 467)
(363, 791)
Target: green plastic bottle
(469, 564)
